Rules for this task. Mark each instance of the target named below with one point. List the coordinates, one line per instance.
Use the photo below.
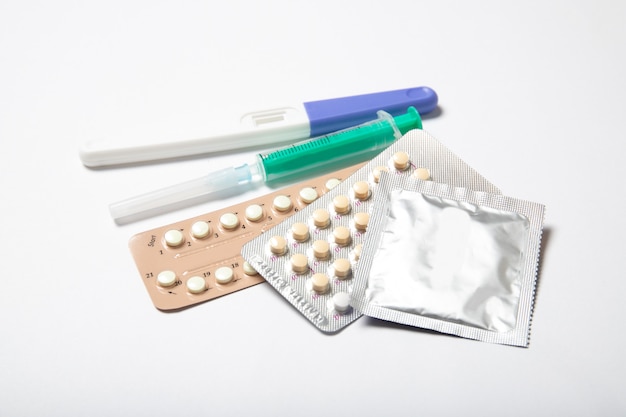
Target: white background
(531, 94)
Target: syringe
(314, 156)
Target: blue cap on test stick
(327, 116)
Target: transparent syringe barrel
(338, 150)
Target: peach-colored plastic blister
(199, 259)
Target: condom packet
(451, 259)
(311, 258)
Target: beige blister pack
(199, 259)
(311, 258)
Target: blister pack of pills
(453, 260)
(199, 259)
(311, 258)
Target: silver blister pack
(450, 259)
(311, 258)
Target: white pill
(282, 203)
(254, 212)
(200, 229)
(196, 285)
(308, 195)
(332, 183)
(224, 275)
(341, 302)
(166, 278)
(248, 269)
(229, 221)
(174, 238)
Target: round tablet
(361, 190)
(400, 160)
(200, 229)
(248, 269)
(174, 238)
(224, 275)
(282, 203)
(376, 173)
(422, 174)
(308, 195)
(356, 252)
(321, 249)
(196, 285)
(321, 218)
(341, 302)
(332, 183)
(278, 245)
(254, 212)
(229, 221)
(341, 235)
(299, 263)
(166, 278)
(342, 268)
(361, 220)
(320, 283)
(341, 204)
(300, 232)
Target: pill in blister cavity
(196, 285)
(321, 249)
(342, 268)
(254, 212)
(248, 269)
(332, 183)
(229, 221)
(341, 302)
(361, 220)
(321, 218)
(341, 204)
(224, 275)
(299, 263)
(278, 245)
(308, 195)
(282, 203)
(174, 238)
(356, 252)
(166, 278)
(361, 190)
(400, 160)
(320, 283)
(422, 174)
(376, 172)
(200, 230)
(300, 232)
(341, 235)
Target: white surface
(531, 95)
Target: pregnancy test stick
(267, 127)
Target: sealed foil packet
(450, 259)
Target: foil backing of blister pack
(451, 259)
(326, 309)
